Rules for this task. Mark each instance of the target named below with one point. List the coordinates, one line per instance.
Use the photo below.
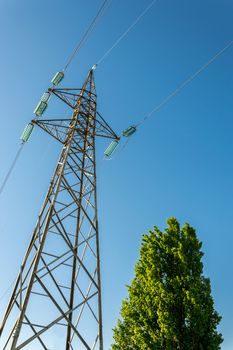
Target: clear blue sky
(178, 164)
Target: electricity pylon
(57, 293)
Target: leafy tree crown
(169, 304)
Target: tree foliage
(169, 304)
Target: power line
(7, 290)
(127, 31)
(88, 31)
(13, 164)
(185, 83)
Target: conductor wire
(127, 31)
(7, 290)
(87, 32)
(185, 83)
(13, 164)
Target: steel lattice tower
(57, 294)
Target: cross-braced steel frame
(58, 292)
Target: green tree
(169, 304)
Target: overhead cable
(100, 13)
(127, 31)
(13, 164)
(7, 290)
(185, 83)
